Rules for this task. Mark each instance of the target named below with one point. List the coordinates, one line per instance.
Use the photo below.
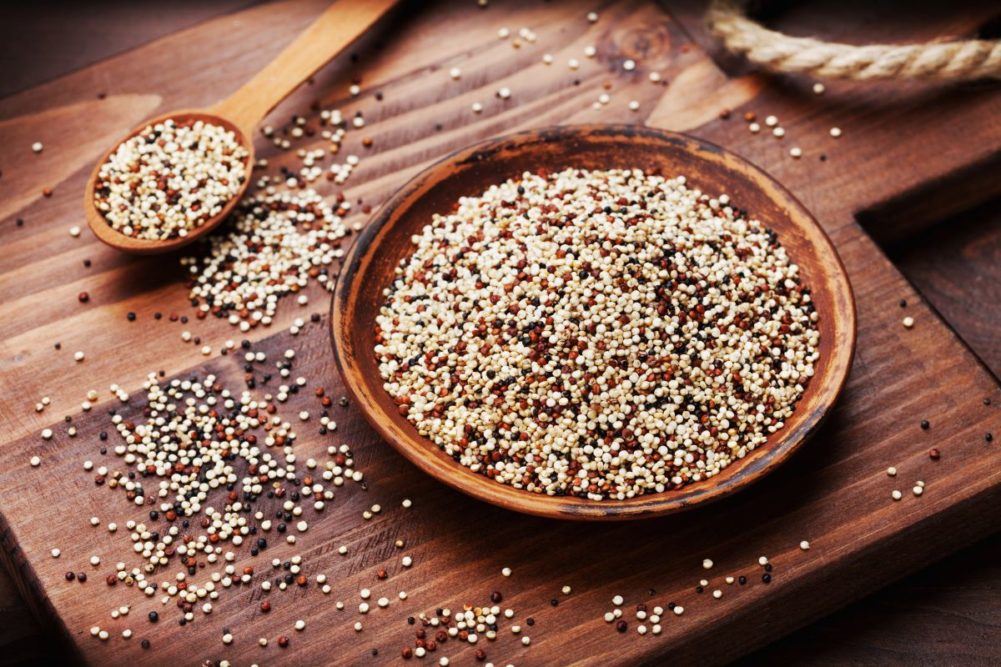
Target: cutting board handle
(337, 27)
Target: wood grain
(957, 268)
(835, 493)
(335, 29)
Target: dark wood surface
(855, 438)
(948, 614)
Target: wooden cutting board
(909, 155)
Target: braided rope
(956, 60)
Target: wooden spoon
(370, 265)
(336, 28)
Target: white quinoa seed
(562, 329)
(37, 147)
(891, 472)
(707, 564)
(908, 322)
(835, 132)
(276, 244)
(896, 494)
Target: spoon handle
(338, 26)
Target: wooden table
(877, 175)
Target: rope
(947, 61)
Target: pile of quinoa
(600, 334)
(277, 243)
(169, 179)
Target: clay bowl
(369, 267)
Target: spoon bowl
(371, 263)
(111, 236)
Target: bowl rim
(457, 476)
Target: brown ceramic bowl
(369, 266)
